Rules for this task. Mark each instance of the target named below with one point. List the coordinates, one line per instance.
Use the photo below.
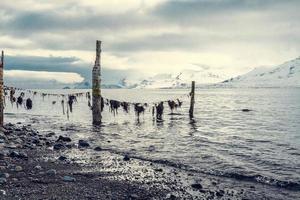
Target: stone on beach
(98, 148)
(3, 180)
(51, 172)
(126, 158)
(83, 143)
(69, 179)
(58, 146)
(64, 139)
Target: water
(260, 146)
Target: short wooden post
(192, 94)
(1, 90)
(96, 92)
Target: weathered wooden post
(96, 93)
(1, 90)
(192, 94)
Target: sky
(55, 40)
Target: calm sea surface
(262, 145)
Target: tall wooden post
(191, 111)
(1, 90)
(96, 93)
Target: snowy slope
(284, 75)
(179, 80)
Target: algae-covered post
(192, 94)
(1, 89)
(96, 93)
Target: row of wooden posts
(96, 89)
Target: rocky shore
(51, 166)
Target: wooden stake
(96, 93)
(191, 111)
(1, 90)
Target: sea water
(262, 145)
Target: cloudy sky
(146, 37)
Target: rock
(18, 168)
(64, 139)
(38, 167)
(58, 146)
(4, 175)
(51, 172)
(151, 148)
(62, 158)
(69, 179)
(50, 134)
(83, 143)
(126, 158)
(2, 192)
(15, 154)
(197, 186)
(246, 110)
(220, 193)
(3, 180)
(98, 148)
(170, 196)
(134, 196)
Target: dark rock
(4, 175)
(51, 172)
(83, 143)
(246, 110)
(220, 193)
(63, 139)
(58, 146)
(50, 134)
(197, 186)
(126, 158)
(62, 158)
(15, 154)
(98, 148)
(3, 180)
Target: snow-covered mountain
(284, 75)
(179, 80)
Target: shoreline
(50, 166)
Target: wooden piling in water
(96, 91)
(1, 90)
(192, 94)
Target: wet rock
(38, 167)
(220, 193)
(63, 139)
(246, 110)
(50, 134)
(69, 179)
(18, 168)
(83, 143)
(170, 196)
(16, 154)
(197, 186)
(151, 148)
(2, 192)
(4, 175)
(126, 158)
(3, 180)
(58, 146)
(134, 196)
(98, 148)
(51, 172)
(62, 158)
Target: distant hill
(284, 75)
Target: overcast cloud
(157, 36)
